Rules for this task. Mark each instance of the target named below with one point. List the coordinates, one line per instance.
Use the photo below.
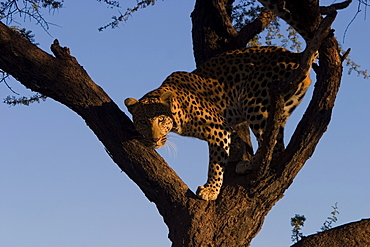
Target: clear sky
(59, 188)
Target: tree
(245, 200)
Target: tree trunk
(237, 215)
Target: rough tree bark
(237, 215)
(352, 234)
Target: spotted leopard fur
(227, 90)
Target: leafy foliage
(27, 34)
(356, 68)
(244, 12)
(112, 4)
(297, 222)
(27, 9)
(18, 100)
(10, 10)
(123, 17)
(331, 219)
(12, 100)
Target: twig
(3, 79)
(345, 55)
(328, 9)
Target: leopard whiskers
(171, 146)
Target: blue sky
(58, 187)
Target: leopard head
(152, 118)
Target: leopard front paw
(207, 193)
(243, 167)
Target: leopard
(208, 103)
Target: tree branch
(213, 32)
(278, 89)
(63, 79)
(276, 176)
(212, 28)
(318, 113)
(252, 29)
(335, 6)
(352, 234)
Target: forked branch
(281, 88)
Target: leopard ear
(166, 97)
(131, 104)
